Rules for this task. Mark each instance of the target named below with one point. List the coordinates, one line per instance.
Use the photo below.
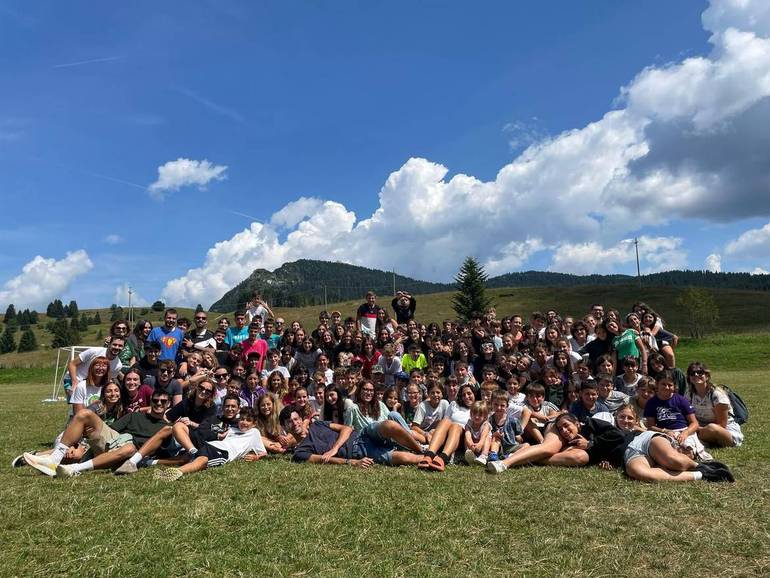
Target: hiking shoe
(64, 471)
(493, 457)
(42, 464)
(470, 457)
(126, 468)
(168, 474)
(19, 461)
(496, 467)
(481, 460)
(715, 472)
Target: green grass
(281, 519)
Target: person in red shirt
(254, 344)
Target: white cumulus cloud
(760, 271)
(686, 141)
(174, 175)
(655, 254)
(713, 263)
(44, 279)
(752, 243)
(113, 239)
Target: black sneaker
(728, 475)
(715, 472)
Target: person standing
(366, 315)
(169, 336)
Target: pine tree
(83, 323)
(62, 335)
(28, 341)
(470, 298)
(97, 319)
(66, 311)
(73, 308)
(10, 313)
(199, 308)
(7, 343)
(56, 309)
(158, 306)
(33, 317)
(117, 314)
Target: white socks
(697, 476)
(58, 453)
(136, 458)
(83, 466)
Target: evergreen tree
(97, 319)
(10, 313)
(62, 334)
(57, 309)
(7, 343)
(83, 323)
(158, 306)
(33, 317)
(117, 314)
(49, 310)
(28, 342)
(471, 284)
(199, 308)
(73, 308)
(66, 311)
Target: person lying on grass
(243, 442)
(646, 456)
(111, 445)
(332, 443)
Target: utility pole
(326, 305)
(394, 282)
(638, 270)
(130, 308)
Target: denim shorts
(640, 446)
(372, 444)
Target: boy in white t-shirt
(242, 443)
(429, 413)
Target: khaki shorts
(107, 439)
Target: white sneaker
(497, 467)
(43, 464)
(470, 457)
(481, 460)
(64, 471)
(19, 461)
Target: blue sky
(323, 102)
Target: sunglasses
(166, 371)
(220, 375)
(697, 372)
(159, 401)
(206, 392)
(200, 318)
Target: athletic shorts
(107, 439)
(640, 446)
(216, 456)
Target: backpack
(740, 410)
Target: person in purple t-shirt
(670, 413)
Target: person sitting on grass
(626, 381)
(536, 413)
(505, 427)
(672, 414)
(713, 410)
(448, 434)
(477, 435)
(429, 413)
(331, 443)
(111, 445)
(243, 442)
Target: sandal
(424, 463)
(437, 464)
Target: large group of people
(380, 387)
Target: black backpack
(740, 410)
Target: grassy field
(283, 519)
(740, 312)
